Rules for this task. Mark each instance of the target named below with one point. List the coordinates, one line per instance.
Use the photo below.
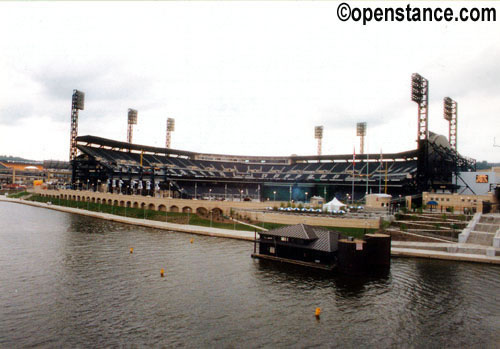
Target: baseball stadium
(128, 168)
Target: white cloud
(239, 78)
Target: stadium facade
(138, 169)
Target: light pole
(87, 184)
(290, 194)
(210, 194)
(306, 195)
(241, 195)
(274, 193)
(189, 211)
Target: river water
(70, 281)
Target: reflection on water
(67, 280)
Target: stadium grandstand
(138, 169)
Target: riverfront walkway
(447, 251)
(433, 250)
(184, 228)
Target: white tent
(333, 205)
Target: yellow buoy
(191, 241)
(162, 272)
(318, 312)
(131, 250)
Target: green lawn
(179, 217)
(172, 217)
(18, 194)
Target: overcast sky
(240, 78)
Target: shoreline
(398, 248)
(174, 227)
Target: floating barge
(324, 249)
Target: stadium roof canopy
(100, 142)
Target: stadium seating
(220, 176)
(125, 162)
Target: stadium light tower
(450, 114)
(170, 129)
(132, 120)
(318, 134)
(361, 132)
(77, 103)
(420, 95)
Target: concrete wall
(243, 208)
(157, 204)
(327, 221)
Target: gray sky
(240, 78)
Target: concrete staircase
(484, 230)
(448, 251)
(478, 242)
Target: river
(71, 281)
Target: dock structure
(303, 243)
(321, 248)
(296, 262)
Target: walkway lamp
(274, 193)
(306, 195)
